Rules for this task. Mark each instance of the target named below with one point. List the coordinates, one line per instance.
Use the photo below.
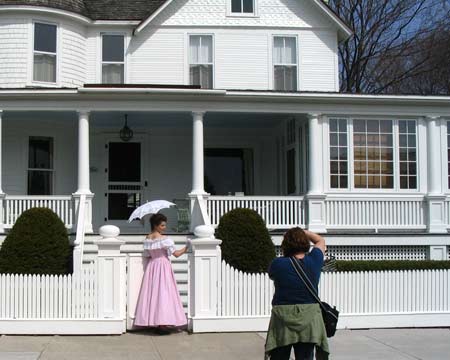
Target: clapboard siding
(13, 51)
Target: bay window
(44, 53)
(384, 154)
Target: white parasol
(149, 208)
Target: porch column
(198, 194)
(2, 194)
(198, 186)
(435, 195)
(83, 168)
(315, 195)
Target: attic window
(242, 7)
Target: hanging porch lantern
(126, 134)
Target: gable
(269, 13)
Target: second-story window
(242, 6)
(285, 63)
(201, 61)
(44, 53)
(113, 59)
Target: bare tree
(384, 32)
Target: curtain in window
(112, 74)
(200, 59)
(44, 68)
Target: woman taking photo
(159, 304)
(296, 319)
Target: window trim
(32, 52)
(124, 62)
(253, 14)
(396, 154)
(188, 57)
(297, 55)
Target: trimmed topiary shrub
(392, 265)
(246, 242)
(38, 243)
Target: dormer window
(113, 59)
(245, 7)
(44, 53)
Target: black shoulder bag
(329, 314)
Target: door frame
(142, 138)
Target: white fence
(375, 213)
(91, 301)
(376, 295)
(49, 296)
(14, 206)
(278, 212)
(415, 298)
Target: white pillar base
(316, 213)
(88, 228)
(437, 223)
(205, 261)
(199, 210)
(438, 252)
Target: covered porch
(209, 152)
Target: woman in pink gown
(159, 304)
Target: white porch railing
(279, 212)
(14, 206)
(370, 212)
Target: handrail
(79, 239)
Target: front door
(125, 185)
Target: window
(44, 53)
(373, 154)
(113, 59)
(285, 63)
(242, 7)
(408, 154)
(201, 61)
(338, 154)
(40, 166)
(229, 171)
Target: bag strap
(302, 275)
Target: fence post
(204, 265)
(111, 272)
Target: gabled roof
(140, 10)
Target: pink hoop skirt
(159, 301)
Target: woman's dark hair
(157, 219)
(295, 241)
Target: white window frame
(396, 157)
(297, 55)
(32, 52)
(253, 14)
(124, 62)
(349, 160)
(188, 58)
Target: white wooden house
(231, 103)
